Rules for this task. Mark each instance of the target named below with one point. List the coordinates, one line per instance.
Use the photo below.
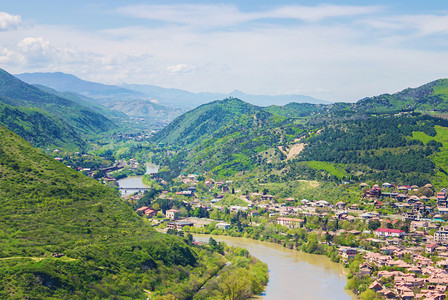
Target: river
(293, 274)
(135, 181)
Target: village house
(224, 189)
(266, 197)
(290, 222)
(441, 236)
(185, 193)
(178, 225)
(150, 212)
(442, 199)
(254, 213)
(386, 232)
(172, 214)
(430, 248)
(418, 225)
(223, 226)
(340, 205)
(347, 253)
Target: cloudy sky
(333, 50)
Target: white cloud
(180, 68)
(318, 13)
(9, 22)
(230, 15)
(361, 51)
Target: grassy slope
(440, 158)
(328, 167)
(40, 128)
(47, 208)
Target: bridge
(135, 188)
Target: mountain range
(47, 119)
(158, 95)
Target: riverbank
(293, 273)
(241, 277)
(135, 182)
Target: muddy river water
(293, 274)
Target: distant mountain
(69, 83)
(189, 99)
(84, 101)
(163, 96)
(18, 93)
(130, 102)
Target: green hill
(66, 236)
(17, 93)
(432, 96)
(205, 120)
(372, 139)
(40, 128)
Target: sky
(333, 50)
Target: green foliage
(328, 167)
(65, 235)
(17, 93)
(40, 128)
(244, 277)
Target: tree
(235, 284)
(156, 206)
(374, 225)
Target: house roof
(289, 219)
(389, 230)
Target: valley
(362, 183)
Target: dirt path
(293, 150)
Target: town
(393, 240)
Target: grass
(328, 167)
(440, 179)
(441, 89)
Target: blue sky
(333, 50)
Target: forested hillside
(367, 140)
(17, 93)
(66, 236)
(40, 128)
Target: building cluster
(421, 276)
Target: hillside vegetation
(65, 236)
(372, 139)
(17, 93)
(40, 128)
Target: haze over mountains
(164, 96)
